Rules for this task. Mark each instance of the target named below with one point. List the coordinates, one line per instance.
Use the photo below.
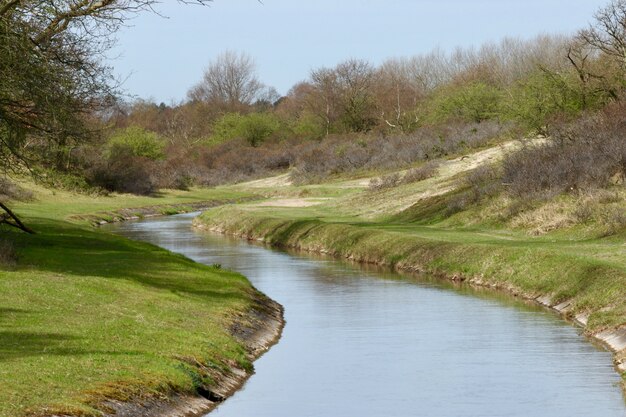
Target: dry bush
(483, 182)
(428, 170)
(236, 161)
(588, 154)
(614, 220)
(388, 181)
(8, 255)
(458, 203)
(124, 173)
(544, 218)
(333, 155)
(11, 191)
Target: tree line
(61, 117)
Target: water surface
(368, 343)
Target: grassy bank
(526, 267)
(541, 250)
(87, 316)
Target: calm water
(364, 343)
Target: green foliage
(255, 128)
(541, 96)
(474, 102)
(308, 126)
(137, 142)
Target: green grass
(86, 315)
(411, 227)
(60, 205)
(565, 270)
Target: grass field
(86, 315)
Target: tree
(474, 102)
(229, 82)
(52, 74)
(608, 33)
(356, 81)
(398, 91)
(343, 97)
(324, 97)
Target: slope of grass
(553, 249)
(86, 315)
(563, 270)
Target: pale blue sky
(163, 58)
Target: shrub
(483, 182)
(388, 181)
(614, 219)
(11, 191)
(255, 128)
(475, 102)
(137, 142)
(124, 172)
(336, 154)
(585, 155)
(428, 170)
(541, 96)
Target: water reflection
(367, 342)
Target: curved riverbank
(94, 324)
(523, 273)
(257, 330)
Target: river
(365, 342)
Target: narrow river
(362, 342)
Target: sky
(160, 58)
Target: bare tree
(324, 97)
(608, 32)
(230, 82)
(356, 81)
(53, 76)
(398, 91)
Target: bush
(137, 142)
(428, 170)
(124, 172)
(588, 154)
(475, 102)
(337, 154)
(11, 191)
(255, 128)
(483, 182)
(388, 181)
(540, 97)
(614, 219)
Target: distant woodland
(63, 121)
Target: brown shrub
(11, 191)
(336, 154)
(483, 182)
(428, 170)
(388, 181)
(124, 173)
(584, 155)
(614, 220)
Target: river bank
(257, 330)
(523, 272)
(94, 324)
